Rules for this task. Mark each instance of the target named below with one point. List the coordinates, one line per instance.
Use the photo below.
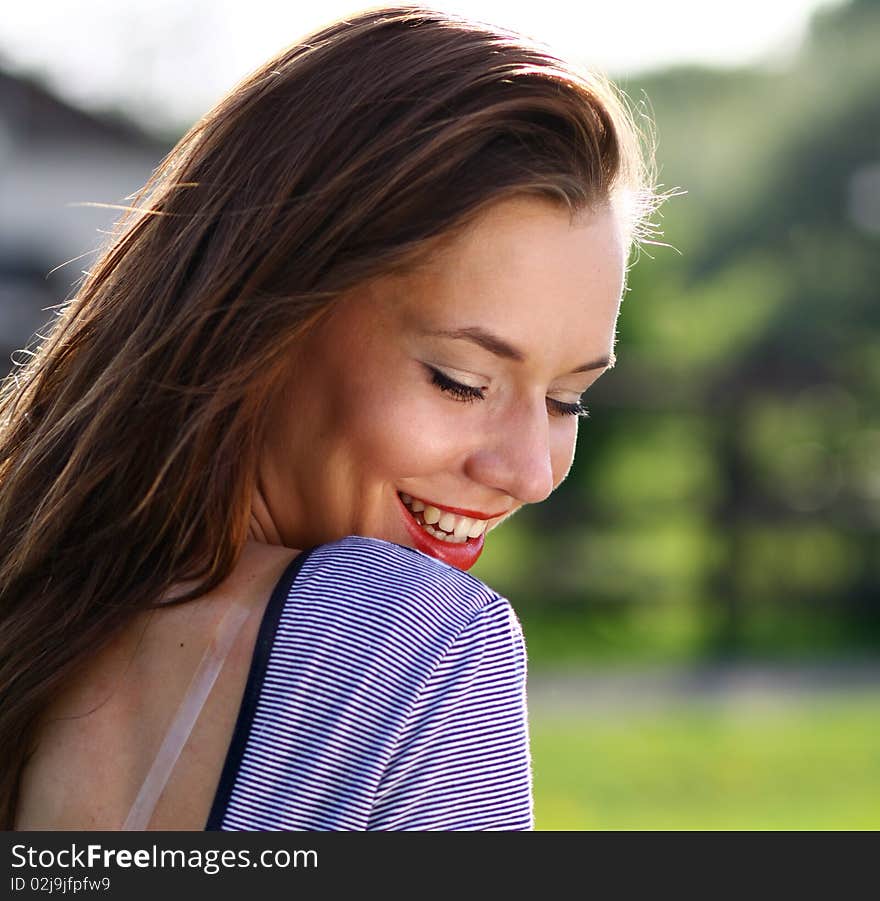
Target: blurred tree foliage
(726, 494)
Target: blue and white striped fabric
(387, 692)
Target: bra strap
(185, 719)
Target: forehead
(523, 269)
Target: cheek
(402, 430)
(562, 447)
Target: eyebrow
(502, 348)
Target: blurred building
(53, 157)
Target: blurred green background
(701, 598)
(724, 506)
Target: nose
(516, 457)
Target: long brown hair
(129, 441)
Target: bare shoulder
(99, 737)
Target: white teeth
(478, 526)
(447, 522)
(449, 526)
(442, 536)
(431, 515)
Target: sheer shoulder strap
(185, 719)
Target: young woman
(343, 334)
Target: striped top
(387, 692)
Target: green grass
(798, 766)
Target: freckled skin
(360, 418)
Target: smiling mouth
(442, 524)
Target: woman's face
(427, 408)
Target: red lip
(459, 511)
(461, 556)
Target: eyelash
(469, 394)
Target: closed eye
(563, 409)
(469, 394)
(461, 392)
